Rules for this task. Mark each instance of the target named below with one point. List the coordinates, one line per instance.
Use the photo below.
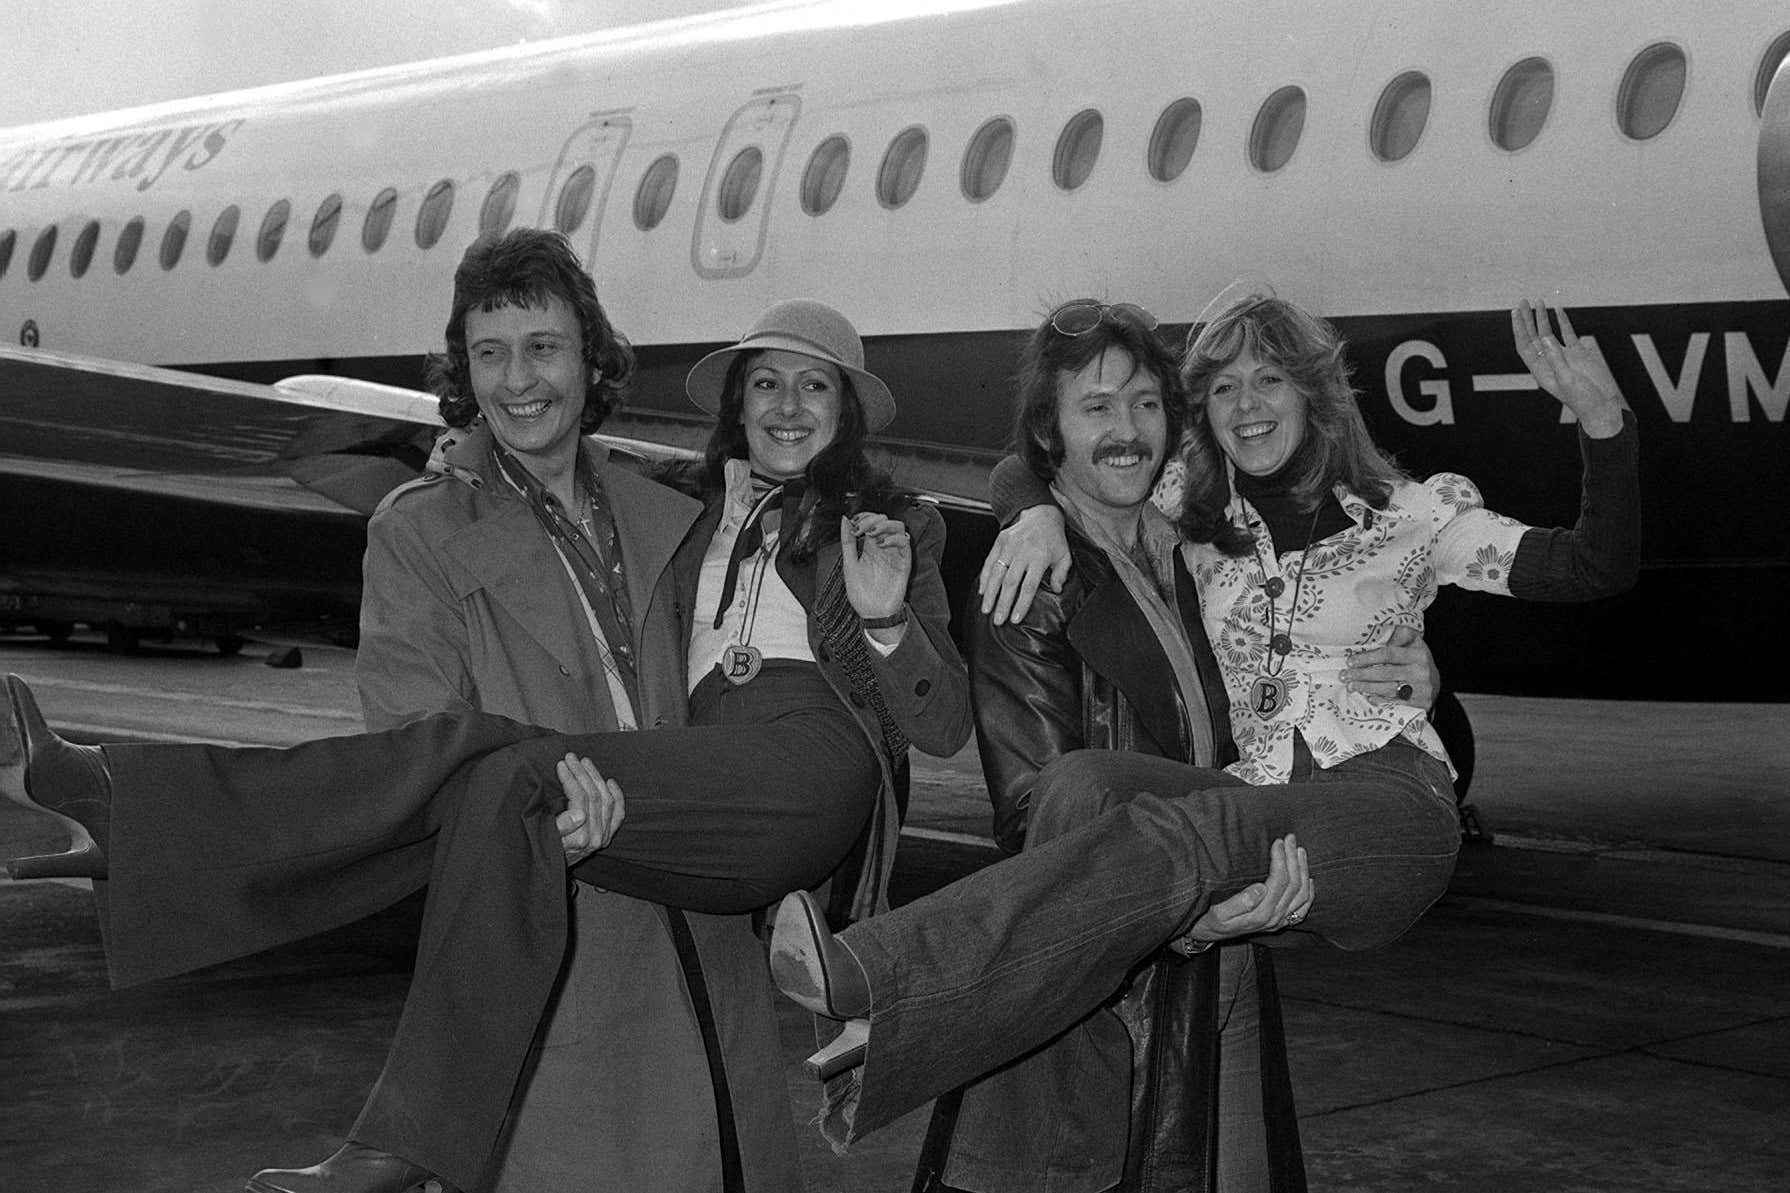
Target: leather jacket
(1084, 671)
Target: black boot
(355, 1168)
(46, 774)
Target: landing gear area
(125, 639)
(126, 624)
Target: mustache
(1136, 447)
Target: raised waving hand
(1568, 367)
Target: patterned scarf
(781, 497)
(597, 566)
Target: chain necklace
(741, 661)
(1268, 691)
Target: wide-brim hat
(813, 329)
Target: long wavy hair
(1048, 354)
(841, 479)
(524, 268)
(1336, 448)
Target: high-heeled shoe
(41, 771)
(846, 1051)
(812, 966)
(355, 1168)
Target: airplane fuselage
(1408, 169)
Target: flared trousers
(996, 964)
(216, 853)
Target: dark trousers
(992, 966)
(216, 853)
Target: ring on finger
(1002, 563)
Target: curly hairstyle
(525, 268)
(1048, 354)
(840, 476)
(1336, 448)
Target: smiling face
(1115, 431)
(529, 377)
(1256, 413)
(790, 411)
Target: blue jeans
(1059, 1118)
(996, 964)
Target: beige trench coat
(466, 605)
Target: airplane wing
(309, 442)
(163, 501)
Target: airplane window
(323, 225)
(1768, 68)
(653, 199)
(1651, 88)
(273, 230)
(1400, 117)
(174, 239)
(379, 220)
(130, 239)
(903, 164)
(81, 256)
(739, 185)
(9, 240)
(574, 200)
(986, 160)
(432, 216)
(223, 234)
(825, 176)
(1175, 137)
(500, 205)
(1277, 128)
(1078, 148)
(1520, 105)
(41, 253)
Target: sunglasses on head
(1084, 315)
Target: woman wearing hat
(819, 650)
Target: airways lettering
(182, 139)
(144, 156)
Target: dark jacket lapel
(1114, 640)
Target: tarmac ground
(1601, 1002)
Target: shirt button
(923, 687)
(563, 670)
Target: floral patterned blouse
(1346, 593)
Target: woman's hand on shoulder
(1035, 548)
(1568, 367)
